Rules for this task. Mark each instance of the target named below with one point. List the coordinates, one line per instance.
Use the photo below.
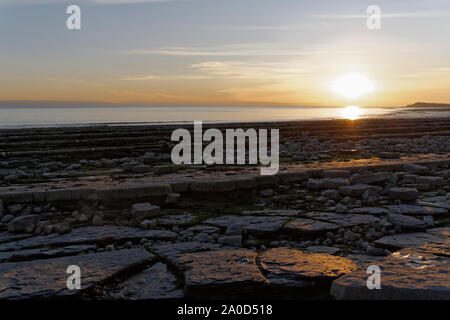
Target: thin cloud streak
(425, 14)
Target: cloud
(92, 2)
(423, 14)
(255, 49)
(169, 77)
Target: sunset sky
(223, 52)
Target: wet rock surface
(143, 228)
(47, 278)
(406, 274)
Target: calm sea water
(60, 116)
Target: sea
(51, 116)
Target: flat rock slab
(221, 273)
(273, 212)
(253, 225)
(414, 210)
(406, 240)
(91, 234)
(171, 251)
(323, 249)
(406, 222)
(298, 265)
(304, 226)
(439, 202)
(406, 274)
(47, 278)
(343, 220)
(180, 219)
(7, 236)
(156, 282)
(368, 210)
(43, 253)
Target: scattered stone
(97, 220)
(405, 194)
(253, 225)
(144, 210)
(335, 174)
(233, 241)
(406, 222)
(356, 190)
(416, 168)
(267, 192)
(414, 210)
(15, 209)
(389, 155)
(374, 178)
(172, 198)
(334, 183)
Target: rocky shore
(106, 198)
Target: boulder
(144, 210)
(23, 222)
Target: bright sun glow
(351, 112)
(352, 85)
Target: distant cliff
(428, 105)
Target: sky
(223, 52)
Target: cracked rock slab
(407, 274)
(47, 278)
(298, 265)
(156, 282)
(225, 273)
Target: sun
(352, 85)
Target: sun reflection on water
(351, 112)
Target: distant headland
(428, 105)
